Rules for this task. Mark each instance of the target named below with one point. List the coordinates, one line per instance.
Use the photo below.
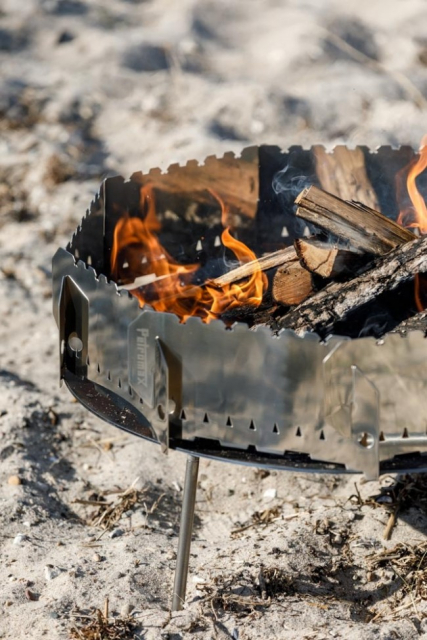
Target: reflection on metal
(241, 394)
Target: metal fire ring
(242, 395)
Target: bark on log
(292, 284)
(362, 228)
(337, 300)
(325, 260)
(264, 263)
(343, 173)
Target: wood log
(343, 173)
(363, 228)
(292, 284)
(325, 260)
(337, 300)
(269, 261)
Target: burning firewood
(363, 228)
(322, 310)
(269, 261)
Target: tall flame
(414, 216)
(138, 253)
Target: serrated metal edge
(230, 155)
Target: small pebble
(14, 480)
(270, 494)
(50, 572)
(96, 557)
(126, 610)
(30, 595)
(20, 538)
(116, 533)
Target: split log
(343, 173)
(333, 303)
(269, 261)
(325, 260)
(363, 228)
(292, 284)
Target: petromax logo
(141, 355)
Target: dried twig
(98, 626)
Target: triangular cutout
(206, 419)
(120, 384)
(298, 432)
(108, 375)
(405, 433)
(88, 361)
(381, 438)
(229, 423)
(182, 415)
(275, 428)
(252, 426)
(322, 436)
(98, 369)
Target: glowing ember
(138, 254)
(414, 216)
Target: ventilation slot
(298, 432)
(88, 361)
(98, 368)
(130, 391)
(252, 426)
(275, 428)
(108, 375)
(120, 383)
(229, 422)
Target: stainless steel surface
(185, 533)
(247, 395)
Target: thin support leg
(185, 532)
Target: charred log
(322, 310)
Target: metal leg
(185, 532)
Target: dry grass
(404, 493)
(98, 625)
(260, 518)
(409, 563)
(107, 513)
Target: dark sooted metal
(240, 395)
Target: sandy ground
(90, 88)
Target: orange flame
(137, 253)
(414, 216)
